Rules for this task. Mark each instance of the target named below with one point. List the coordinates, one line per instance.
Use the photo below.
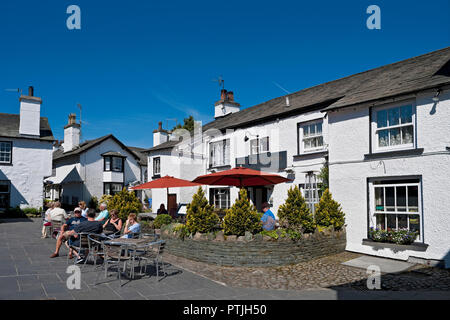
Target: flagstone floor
(27, 272)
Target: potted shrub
(200, 214)
(294, 214)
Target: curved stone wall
(255, 250)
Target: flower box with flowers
(400, 236)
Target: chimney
(71, 134)
(226, 104)
(30, 114)
(160, 135)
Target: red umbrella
(240, 177)
(166, 182)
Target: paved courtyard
(27, 272)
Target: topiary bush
(103, 199)
(162, 220)
(329, 212)
(294, 214)
(125, 203)
(242, 217)
(200, 214)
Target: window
(396, 205)
(5, 152)
(156, 166)
(310, 136)
(394, 127)
(5, 193)
(311, 191)
(113, 164)
(220, 198)
(219, 153)
(259, 145)
(112, 188)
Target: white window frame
(221, 192)
(5, 152)
(302, 138)
(260, 147)
(224, 153)
(375, 129)
(374, 212)
(156, 172)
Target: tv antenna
(18, 90)
(81, 132)
(220, 81)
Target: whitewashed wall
(31, 163)
(349, 141)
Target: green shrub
(182, 231)
(162, 220)
(282, 233)
(31, 211)
(13, 213)
(242, 217)
(104, 199)
(200, 214)
(294, 214)
(329, 212)
(125, 203)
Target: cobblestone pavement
(326, 272)
(27, 272)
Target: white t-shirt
(84, 212)
(58, 214)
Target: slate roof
(9, 127)
(88, 144)
(408, 76)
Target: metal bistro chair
(56, 226)
(95, 243)
(83, 245)
(114, 255)
(152, 252)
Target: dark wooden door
(172, 205)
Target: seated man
(104, 214)
(268, 218)
(87, 226)
(131, 226)
(66, 231)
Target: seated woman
(113, 224)
(162, 209)
(131, 226)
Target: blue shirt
(74, 221)
(133, 229)
(104, 214)
(268, 220)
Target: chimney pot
(223, 94)
(230, 96)
(30, 91)
(160, 126)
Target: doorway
(172, 206)
(257, 195)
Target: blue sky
(134, 63)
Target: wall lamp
(436, 96)
(246, 138)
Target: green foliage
(104, 199)
(282, 233)
(402, 236)
(242, 217)
(323, 176)
(31, 212)
(93, 203)
(329, 212)
(162, 220)
(13, 213)
(294, 214)
(182, 231)
(125, 203)
(188, 124)
(200, 214)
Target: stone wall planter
(394, 246)
(256, 250)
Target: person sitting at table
(66, 231)
(113, 224)
(162, 209)
(131, 226)
(88, 226)
(104, 214)
(84, 208)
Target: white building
(25, 154)
(385, 134)
(93, 167)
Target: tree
(242, 217)
(125, 203)
(200, 214)
(295, 213)
(329, 212)
(188, 124)
(323, 176)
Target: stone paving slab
(385, 265)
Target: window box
(416, 246)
